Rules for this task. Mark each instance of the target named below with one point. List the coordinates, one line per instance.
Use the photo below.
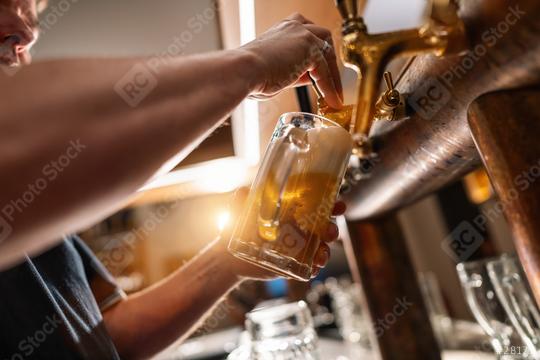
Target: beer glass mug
(282, 332)
(290, 202)
(513, 291)
(488, 310)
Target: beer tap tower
(463, 52)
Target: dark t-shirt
(50, 306)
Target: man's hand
(290, 50)
(244, 269)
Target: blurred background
(174, 217)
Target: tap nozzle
(348, 9)
(349, 12)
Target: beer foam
(328, 146)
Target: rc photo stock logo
(429, 98)
(136, 84)
(5, 229)
(33, 189)
(462, 242)
(291, 239)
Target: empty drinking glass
(282, 332)
(512, 289)
(488, 310)
(352, 324)
(441, 322)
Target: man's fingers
(331, 59)
(321, 32)
(332, 232)
(302, 81)
(322, 256)
(298, 17)
(330, 55)
(339, 208)
(315, 271)
(320, 72)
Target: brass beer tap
(369, 54)
(390, 105)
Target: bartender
(74, 148)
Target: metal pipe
(431, 148)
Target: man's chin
(8, 57)
(14, 61)
(9, 62)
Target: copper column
(380, 262)
(506, 129)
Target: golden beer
(289, 206)
(342, 117)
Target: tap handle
(348, 9)
(391, 95)
(388, 80)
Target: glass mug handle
(524, 308)
(285, 156)
(472, 282)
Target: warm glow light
(224, 177)
(223, 220)
(247, 20)
(250, 124)
(218, 176)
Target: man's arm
(72, 150)
(147, 322)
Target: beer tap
(390, 105)
(369, 54)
